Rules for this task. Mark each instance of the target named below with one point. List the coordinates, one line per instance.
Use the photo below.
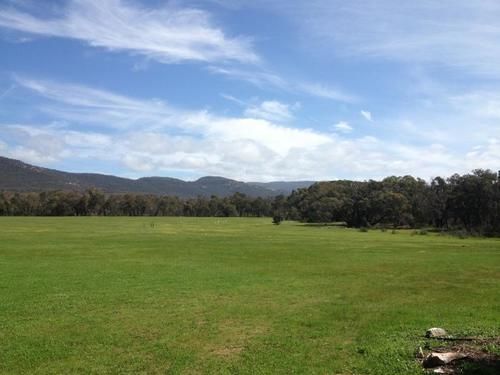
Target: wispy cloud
(343, 127)
(6, 92)
(482, 103)
(234, 99)
(326, 92)
(256, 77)
(272, 110)
(166, 35)
(367, 115)
(86, 105)
(457, 34)
(269, 80)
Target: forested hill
(17, 176)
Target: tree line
(470, 202)
(93, 202)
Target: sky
(255, 90)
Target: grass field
(179, 295)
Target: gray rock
(440, 359)
(439, 370)
(435, 332)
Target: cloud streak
(322, 91)
(366, 115)
(167, 35)
(456, 34)
(460, 35)
(272, 110)
(343, 127)
(268, 80)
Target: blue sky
(253, 90)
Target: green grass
(178, 295)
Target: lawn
(216, 295)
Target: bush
(462, 234)
(363, 229)
(277, 219)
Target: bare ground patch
(473, 356)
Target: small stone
(435, 332)
(440, 359)
(439, 370)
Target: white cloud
(323, 91)
(343, 127)
(82, 105)
(367, 115)
(279, 139)
(486, 154)
(166, 35)
(151, 137)
(33, 144)
(272, 110)
(47, 143)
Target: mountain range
(17, 176)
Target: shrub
(277, 219)
(462, 234)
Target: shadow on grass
(480, 367)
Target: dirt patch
(475, 356)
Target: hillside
(16, 175)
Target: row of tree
(470, 202)
(94, 202)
